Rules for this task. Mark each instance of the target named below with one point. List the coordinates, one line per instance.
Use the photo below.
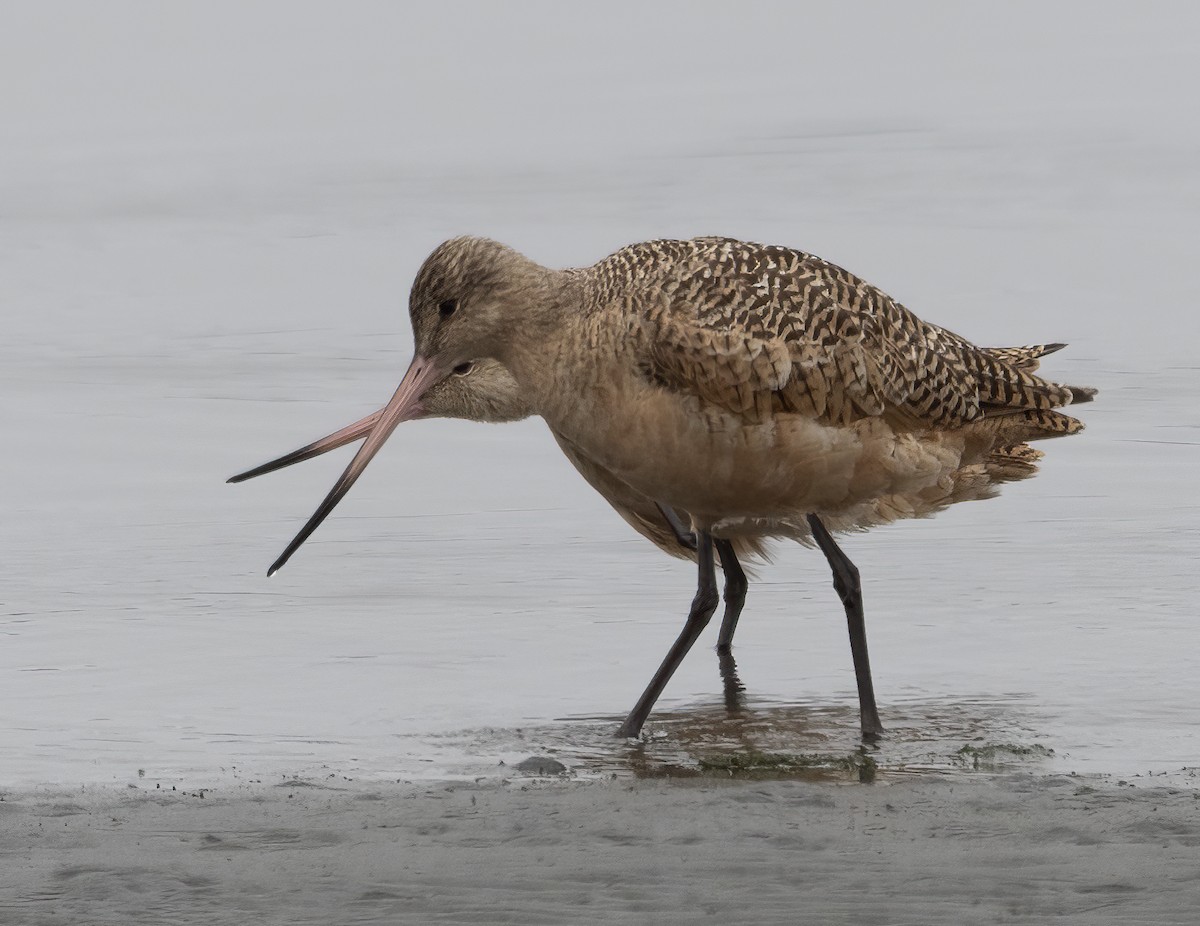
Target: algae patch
(786, 765)
(995, 755)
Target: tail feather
(1009, 387)
(1023, 358)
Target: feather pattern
(760, 329)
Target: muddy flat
(920, 850)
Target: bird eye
(447, 308)
(464, 368)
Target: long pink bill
(346, 435)
(403, 406)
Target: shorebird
(762, 391)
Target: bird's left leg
(698, 617)
(735, 597)
(735, 578)
(735, 593)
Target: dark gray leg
(735, 597)
(702, 609)
(735, 593)
(849, 588)
(735, 578)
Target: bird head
(467, 296)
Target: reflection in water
(735, 691)
(742, 737)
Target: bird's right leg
(703, 606)
(849, 588)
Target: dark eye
(447, 308)
(464, 368)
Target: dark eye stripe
(448, 308)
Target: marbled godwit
(759, 389)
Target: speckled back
(762, 329)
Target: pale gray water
(209, 219)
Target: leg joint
(705, 602)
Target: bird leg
(735, 593)
(735, 579)
(685, 537)
(703, 606)
(849, 588)
(735, 597)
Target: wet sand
(914, 849)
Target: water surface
(189, 292)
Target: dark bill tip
(339, 438)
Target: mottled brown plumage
(761, 330)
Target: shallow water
(186, 298)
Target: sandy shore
(967, 849)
